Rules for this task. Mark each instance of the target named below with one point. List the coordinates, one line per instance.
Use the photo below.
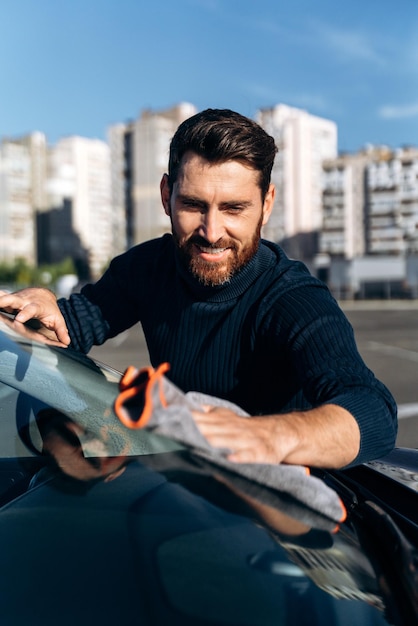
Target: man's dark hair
(220, 135)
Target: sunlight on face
(216, 212)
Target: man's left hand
(251, 440)
(325, 436)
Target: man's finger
(31, 311)
(27, 313)
(7, 302)
(62, 333)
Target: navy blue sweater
(271, 340)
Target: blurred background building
(139, 151)
(352, 218)
(79, 173)
(392, 208)
(369, 235)
(22, 190)
(304, 141)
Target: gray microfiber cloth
(149, 400)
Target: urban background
(352, 217)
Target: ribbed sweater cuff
(84, 322)
(377, 422)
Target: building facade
(22, 191)
(119, 141)
(79, 172)
(140, 150)
(353, 218)
(304, 141)
(392, 207)
(369, 233)
(343, 227)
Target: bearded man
(233, 316)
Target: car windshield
(36, 376)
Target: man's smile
(211, 253)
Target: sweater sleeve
(323, 352)
(85, 322)
(107, 307)
(115, 302)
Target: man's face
(216, 212)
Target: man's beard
(216, 273)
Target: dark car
(104, 524)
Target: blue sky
(77, 66)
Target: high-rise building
(304, 141)
(79, 171)
(119, 138)
(57, 241)
(143, 148)
(392, 208)
(22, 191)
(370, 203)
(153, 131)
(369, 235)
(343, 206)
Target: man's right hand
(36, 303)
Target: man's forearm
(327, 436)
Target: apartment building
(22, 190)
(119, 138)
(140, 148)
(79, 172)
(56, 239)
(304, 141)
(369, 234)
(370, 203)
(343, 206)
(392, 207)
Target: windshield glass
(37, 376)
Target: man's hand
(327, 436)
(36, 303)
(251, 440)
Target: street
(387, 338)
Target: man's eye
(191, 206)
(233, 209)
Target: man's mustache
(200, 241)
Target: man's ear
(268, 203)
(165, 194)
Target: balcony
(333, 223)
(386, 233)
(387, 247)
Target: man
(233, 316)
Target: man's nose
(211, 226)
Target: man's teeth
(212, 250)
